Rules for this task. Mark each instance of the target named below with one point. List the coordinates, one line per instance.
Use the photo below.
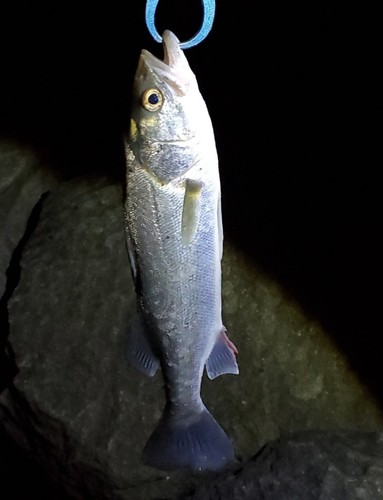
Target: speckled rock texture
(85, 416)
(313, 465)
(23, 180)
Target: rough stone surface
(23, 179)
(85, 415)
(314, 465)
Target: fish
(174, 237)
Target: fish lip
(172, 50)
(172, 53)
(173, 69)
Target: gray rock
(314, 465)
(85, 415)
(23, 179)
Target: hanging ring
(207, 22)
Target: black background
(295, 95)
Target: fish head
(169, 119)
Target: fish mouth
(173, 69)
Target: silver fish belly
(174, 240)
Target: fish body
(174, 240)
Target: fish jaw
(174, 69)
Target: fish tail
(195, 441)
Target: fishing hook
(207, 22)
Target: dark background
(295, 95)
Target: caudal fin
(196, 442)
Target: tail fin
(196, 442)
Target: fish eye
(152, 99)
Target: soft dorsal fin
(138, 348)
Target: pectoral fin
(220, 227)
(191, 210)
(222, 357)
(132, 260)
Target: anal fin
(222, 358)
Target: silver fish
(174, 240)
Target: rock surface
(85, 415)
(314, 465)
(23, 179)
